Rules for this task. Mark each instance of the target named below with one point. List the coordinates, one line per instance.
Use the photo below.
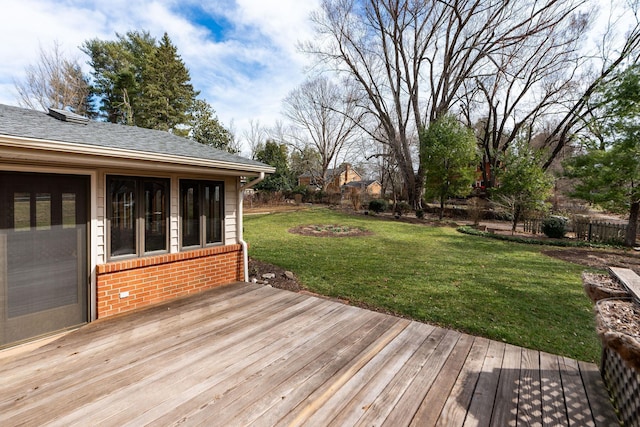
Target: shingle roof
(20, 122)
(364, 183)
(330, 172)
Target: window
(201, 210)
(137, 211)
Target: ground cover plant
(501, 290)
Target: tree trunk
(441, 207)
(516, 217)
(630, 237)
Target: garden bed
(618, 326)
(602, 286)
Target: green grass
(501, 290)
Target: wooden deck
(252, 355)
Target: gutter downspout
(239, 223)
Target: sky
(242, 54)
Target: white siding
(231, 191)
(230, 210)
(101, 217)
(174, 216)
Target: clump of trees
(275, 155)
(134, 80)
(608, 169)
(509, 69)
(140, 81)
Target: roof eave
(68, 148)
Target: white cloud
(244, 75)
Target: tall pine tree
(141, 82)
(166, 96)
(117, 73)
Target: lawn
(500, 290)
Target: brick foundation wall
(159, 278)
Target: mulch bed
(602, 286)
(330, 230)
(281, 281)
(618, 325)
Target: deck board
(484, 397)
(529, 398)
(554, 412)
(505, 406)
(246, 354)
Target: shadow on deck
(246, 354)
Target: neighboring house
(335, 178)
(97, 219)
(371, 188)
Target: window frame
(140, 213)
(202, 208)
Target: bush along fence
(585, 229)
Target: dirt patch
(281, 280)
(599, 259)
(331, 230)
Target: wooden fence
(533, 226)
(599, 231)
(585, 229)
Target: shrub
(419, 213)
(402, 208)
(554, 227)
(356, 199)
(378, 205)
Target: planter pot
(618, 325)
(601, 286)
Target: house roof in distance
(65, 127)
(331, 172)
(364, 183)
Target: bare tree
(412, 59)
(234, 142)
(54, 81)
(324, 113)
(255, 136)
(619, 46)
(528, 83)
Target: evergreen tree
(166, 95)
(117, 73)
(275, 154)
(207, 129)
(448, 153)
(141, 82)
(523, 185)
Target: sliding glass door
(43, 254)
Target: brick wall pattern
(158, 278)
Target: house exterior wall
(374, 189)
(155, 278)
(348, 175)
(135, 283)
(230, 208)
(304, 181)
(36, 147)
